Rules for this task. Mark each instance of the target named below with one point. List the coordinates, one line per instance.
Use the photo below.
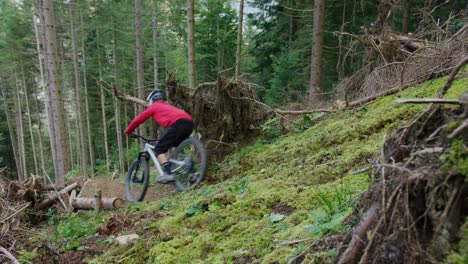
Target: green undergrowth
(296, 187)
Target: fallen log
(44, 203)
(89, 203)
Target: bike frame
(149, 149)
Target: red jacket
(163, 113)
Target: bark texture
(239, 38)
(191, 43)
(315, 88)
(81, 140)
(62, 159)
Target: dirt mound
(417, 204)
(110, 188)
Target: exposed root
(396, 61)
(422, 201)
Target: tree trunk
(42, 87)
(11, 129)
(191, 43)
(118, 121)
(406, 15)
(127, 144)
(103, 106)
(81, 140)
(315, 88)
(155, 45)
(47, 92)
(62, 162)
(291, 26)
(28, 113)
(70, 143)
(39, 132)
(139, 57)
(19, 130)
(239, 39)
(85, 84)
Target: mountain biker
(178, 126)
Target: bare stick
(42, 204)
(457, 131)
(8, 255)
(15, 213)
(293, 242)
(363, 170)
(304, 112)
(302, 254)
(359, 235)
(452, 76)
(428, 101)
(374, 97)
(56, 192)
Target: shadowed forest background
(96, 49)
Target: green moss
(27, 256)
(460, 254)
(456, 160)
(298, 172)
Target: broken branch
(8, 255)
(457, 131)
(452, 75)
(58, 195)
(428, 101)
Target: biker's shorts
(174, 135)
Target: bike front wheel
(192, 152)
(137, 181)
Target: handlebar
(133, 135)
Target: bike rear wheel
(137, 181)
(193, 153)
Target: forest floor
(110, 188)
(279, 200)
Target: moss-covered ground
(299, 186)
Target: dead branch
(359, 236)
(459, 32)
(44, 203)
(57, 193)
(302, 253)
(15, 213)
(452, 75)
(428, 101)
(123, 97)
(8, 255)
(304, 112)
(459, 129)
(376, 96)
(363, 170)
(293, 242)
(354, 36)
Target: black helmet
(156, 95)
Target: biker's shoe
(166, 178)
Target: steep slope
(273, 199)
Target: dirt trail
(110, 188)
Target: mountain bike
(188, 163)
